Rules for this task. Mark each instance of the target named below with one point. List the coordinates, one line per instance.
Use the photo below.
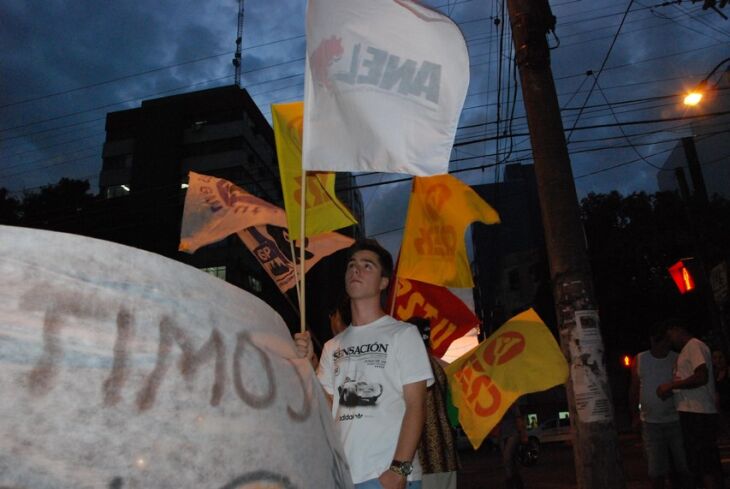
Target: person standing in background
(437, 450)
(693, 387)
(722, 388)
(512, 432)
(657, 418)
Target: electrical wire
(603, 65)
(450, 5)
(112, 80)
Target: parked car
(552, 431)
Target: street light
(694, 96)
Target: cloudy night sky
(65, 64)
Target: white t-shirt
(700, 399)
(364, 368)
(653, 372)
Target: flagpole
(296, 272)
(395, 292)
(302, 252)
(395, 272)
(395, 287)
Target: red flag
(450, 318)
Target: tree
(631, 241)
(9, 208)
(57, 207)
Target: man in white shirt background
(693, 387)
(661, 432)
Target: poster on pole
(124, 369)
(590, 382)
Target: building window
(119, 162)
(254, 284)
(219, 272)
(116, 191)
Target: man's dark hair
(386, 261)
(675, 322)
(659, 331)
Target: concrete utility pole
(596, 450)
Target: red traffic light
(683, 276)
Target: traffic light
(626, 361)
(683, 274)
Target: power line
(603, 65)
(284, 88)
(112, 80)
(104, 106)
(508, 134)
(297, 75)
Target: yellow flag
(324, 211)
(439, 212)
(520, 357)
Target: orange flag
(439, 212)
(215, 208)
(522, 356)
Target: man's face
(364, 275)
(663, 344)
(675, 337)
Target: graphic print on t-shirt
(359, 393)
(355, 389)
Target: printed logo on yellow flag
(439, 212)
(521, 357)
(325, 212)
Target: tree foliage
(631, 241)
(60, 206)
(9, 208)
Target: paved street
(555, 469)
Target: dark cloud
(57, 46)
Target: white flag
(384, 85)
(215, 208)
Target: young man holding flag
(375, 375)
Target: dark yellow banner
(439, 212)
(324, 211)
(520, 357)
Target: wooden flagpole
(293, 254)
(302, 253)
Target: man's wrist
(402, 468)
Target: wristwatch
(401, 468)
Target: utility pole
(695, 171)
(698, 205)
(596, 448)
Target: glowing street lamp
(694, 97)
